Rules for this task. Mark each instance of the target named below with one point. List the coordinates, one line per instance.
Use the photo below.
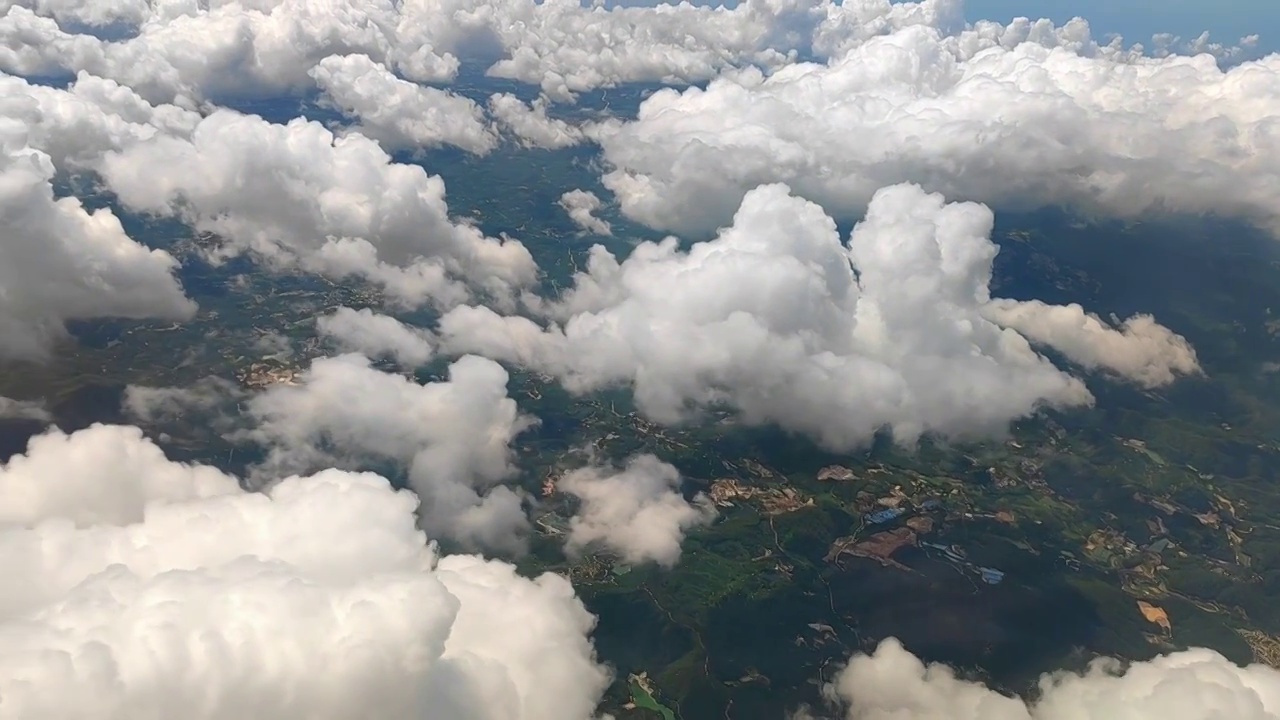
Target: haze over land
(381, 359)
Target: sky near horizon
(1226, 20)
(1137, 20)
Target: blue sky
(1226, 20)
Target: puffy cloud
(298, 197)
(1027, 120)
(187, 52)
(105, 474)
(60, 261)
(636, 511)
(91, 117)
(316, 599)
(1198, 684)
(376, 336)
(1165, 44)
(91, 14)
(582, 206)
(452, 437)
(530, 123)
(566, 48)
(1141, 350)
(400, 114)
(775, 318)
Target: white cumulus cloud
(530, 124)
(376, 336)
(61, 261)
(636, 511)
(1141, 349)
(452, 438)
(188, 52)
(1026, 122)
(1198, 684)
(297, 196)
(318, 599)
(582, 205)
(105, 474)
(78, 125)
(399, 114)
(777, 319)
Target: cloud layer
(188, 52)
(191, 52)
(979, 116)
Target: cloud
(1014, 119)
(452, 438)
(777, 320)
(530, 124)
(77, 126)
(566, 49)
(11, 409)
(294, 195)
(1166, 44)
(582, 206)
(298, 197)
(399, 114)
(1141, 350)
(188, 54)
(206, 397)
(88, 14)
(636, 511)
(61, 261)
(105, 474)
(317, 599)
(892, 684)
(376, 336)
(847, 25)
